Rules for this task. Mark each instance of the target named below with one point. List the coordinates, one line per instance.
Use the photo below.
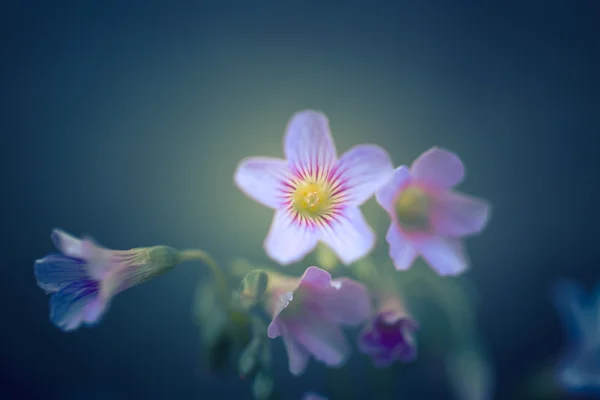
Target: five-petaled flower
(315, 195)
(85, 277)
(389, 337)
(428, 218)
(308, 311)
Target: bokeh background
(126, 119)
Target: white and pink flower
(315, 195)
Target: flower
(390, 336)
(579, 368)
(428, 218)
(315, 195)
(85, 277)
(308, 311)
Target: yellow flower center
(311, 199)
(412, 209)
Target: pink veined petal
(444, 255)
(456, 214)
(350, 236)
(261, 179)
(364, 169)
(402, 251)
(345, 302)
(308, 144)
(438, 168)
(287, 241)
(386, 195)
(322, 338)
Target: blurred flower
(390, 336)
(313, 396)
(86, 276)
(579, 368)
(315, 195)
(428, 218)
(308, 311)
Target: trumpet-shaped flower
(390, 335)
(308, 312)
(315, 195)
(579, 368)
(85, 277)
(428, 217)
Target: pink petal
(315, 277)
(322, 338)
(341, 300)
(350, 237)
(388, 192)
(347, 302)
(261, 179)
(446, 256)
(287, 241)
(308, 144)
(456, 214)
(298, 356)
(402, 251)
(364, 169)
(438, 168)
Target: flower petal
(287, 241)
(363, 170)
(386, 195)
(402, 251)
(438, 168)
(68, 245)
(261, 178)
(76, 304)
(456, 214)
(350, 236)
(56, 271)
(298, 356)
(446, 256)
(322, 338)
(341, 300)
(84, 249)
(308, 144)
(346, 302)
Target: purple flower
(315, 195)
(428, 218)
(308, 311)
(390, 336)
(85, 277)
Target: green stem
(220, 277)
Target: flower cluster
(316, 197)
